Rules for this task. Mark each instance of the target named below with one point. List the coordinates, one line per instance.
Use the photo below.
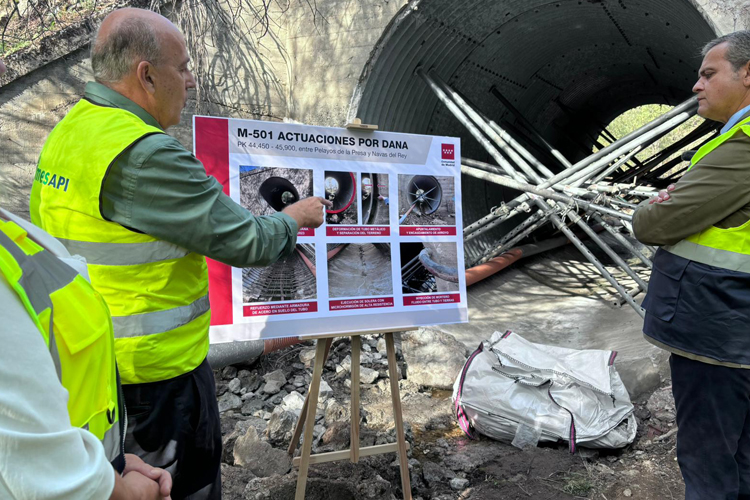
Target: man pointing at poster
(113, 187)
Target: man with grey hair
(698, 301)
(114, 188)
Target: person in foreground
(59, 376)
(698, 302)
(117, 190)
(62, 420)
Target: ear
(145, 74)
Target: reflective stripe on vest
(157, 292)
(724, 248)
(74, 321)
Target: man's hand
(308, 212)
(133, 463)
(662, 196)
(135, 486)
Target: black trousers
(174, 424)
(713, 441)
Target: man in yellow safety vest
(698, 301)
(114, 188)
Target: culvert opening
(563, 69)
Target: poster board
(395, 196)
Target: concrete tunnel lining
(569, 66)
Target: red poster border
(212, 149)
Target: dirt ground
(445, 464)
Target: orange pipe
(271, 345)
(478, 273)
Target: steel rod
(545, 193)
(623, 241)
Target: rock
(246, 395)
(299, 381)
(413, 462)
(336, 412)
(381, 346)
(229, 401)
(252, 405)
(433, 358)
(627, 493)
(337, 434)
(325, 392)
(307, 356)
(345, 365)
(240, 428)
(229, 372)
(366, 347)
(293, 402)
(280, 427)
(234, 385)
(458, 484)
(277, 398)
(221, 387)
(250, 381)
(661, 404)
(274, 382)
(435, 474)
(260, 457)
(375, 488)
(368, 375)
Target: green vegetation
(577, 485)
(637, 117)
(8, 49)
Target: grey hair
(738, 48)
(130, 42)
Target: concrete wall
(305, 68)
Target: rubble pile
(260, 405)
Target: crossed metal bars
(569, 193)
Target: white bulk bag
(511, 389)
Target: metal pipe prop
(477, 134)
(617, 164)
(545, 193)
(517, 234)
(618, 149)
(623, 240)
(592, 258)
(574, 217)
(521, 118)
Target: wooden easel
(307, 416)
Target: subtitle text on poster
(427, 230)
(285, 308)
(368, 303)
(358, 231)
(422, 300)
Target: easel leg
(403, 460)
(303, 413)
(320, 355)
(354, 434)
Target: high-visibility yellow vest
(156, 291)
(75, 324)
(725, 248)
